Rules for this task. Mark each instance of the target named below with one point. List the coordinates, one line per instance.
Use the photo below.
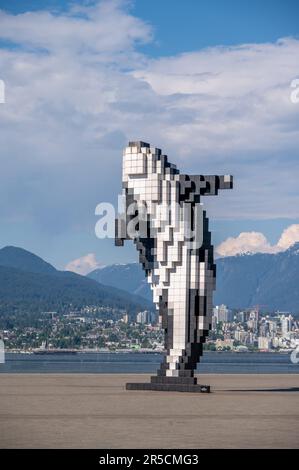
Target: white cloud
(104, 27)
(288, 237)
(237, 97)
(252, 242)
(256, 242)
(83, 265)
(78, 88)
(67, 111)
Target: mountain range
(28, 283)
(270, 280)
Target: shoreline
(144, 374)
(222, 362)
(123, 351)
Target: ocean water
(115, 363)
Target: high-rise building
(264, 328)
(223, 314)
(264, 343)
(286, 325)
(240, 335)
(214, 322)
(272, 328)
(145, 317)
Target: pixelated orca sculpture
(176, 253)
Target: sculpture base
(169, 387)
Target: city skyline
(98, 328)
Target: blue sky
(189, 25)
(208, 81)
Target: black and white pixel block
(175, 251)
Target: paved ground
(95, 411)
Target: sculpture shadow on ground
(288, 389)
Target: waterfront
(104, 363)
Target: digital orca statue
(163, 214)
